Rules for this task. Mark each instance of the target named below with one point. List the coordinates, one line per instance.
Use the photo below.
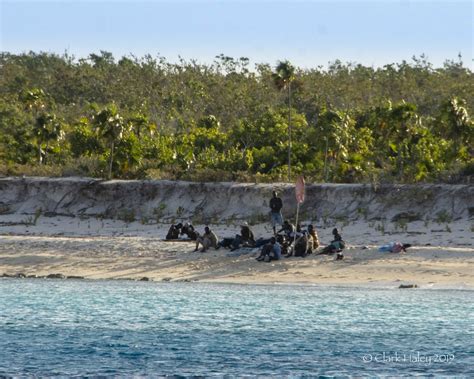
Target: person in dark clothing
(247, 235)
(337, 236)
(261, 241)
(275, 211)
(301, 241)
(302, 245)
(288, 229)
(336, 245)
(189, 230)
(270, 252)
(226, 242)
(173, 232)
(245, 238)
(285, 243)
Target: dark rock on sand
(74, 277)
(55, 276)
(408, 286)
(144, 279)
(17, 275)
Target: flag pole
(296, 224)
(299, 192)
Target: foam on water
(68, 328)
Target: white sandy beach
(442, 255)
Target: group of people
(209, 239)
(187, 231)
(294, 241)
(289, 240)
(177, 231)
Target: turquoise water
(88, 328)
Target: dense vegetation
(148, 118)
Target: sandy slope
(442, 256)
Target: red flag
(299, 189)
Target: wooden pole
(296, 224)
(289, 131)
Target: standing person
(207, 240)
(275, 211)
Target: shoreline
(369, 286)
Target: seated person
(227, 242)
(287, 228)
(302, 245)
(270, 252)
(173, 232)
(248, 238)
(298, 233)
(284, 244)
(188, 229)
(336, 245)
(314, 236)
(207, 240)
(245, 238)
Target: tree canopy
(149, 118)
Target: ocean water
(109, 328)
